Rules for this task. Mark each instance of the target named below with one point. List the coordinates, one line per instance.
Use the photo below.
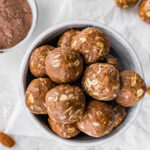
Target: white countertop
(13, 118)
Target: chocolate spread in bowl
(15, 22)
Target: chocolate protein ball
(126, 3)
(92, 44)
(101, 81)
(64, 65)
(132, 88)
(64, 130)
(35, 95)
(97, 120)
(37, 60)
(65, 104)
(66, 39)
(144, 10)
(112, 60)
(120, 114)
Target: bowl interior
(119, 48)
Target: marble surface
(13, 118)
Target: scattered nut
(6, 140)
(148, 90)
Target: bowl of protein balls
(17, 22)
(81, 83)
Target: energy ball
(92, 44)
(144, 10)
(126, 3)
(132, 88)
(64, 130)
(66, 39)
(64, 65)
(120, 114)
(112, 60)
(65, 104)
(101, 81)
(35, 95)
(37, 60)
(97, 120)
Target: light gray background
(13, 119)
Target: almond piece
(148, 90)
(6, 140)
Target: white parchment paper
(13, 118)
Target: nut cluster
(74, 82)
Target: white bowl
(33, 6)
(122, 50)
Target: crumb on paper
(7, 110)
